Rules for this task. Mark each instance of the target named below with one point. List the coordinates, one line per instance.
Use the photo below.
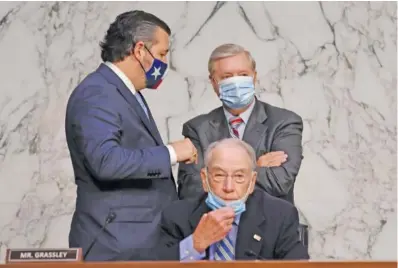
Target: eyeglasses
(222, 177)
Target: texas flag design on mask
(156, 74)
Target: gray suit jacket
(269, 129)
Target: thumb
(204, 218)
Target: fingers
(279, 155)
(194, 154)
(226, 212)
(275, 153)
(220, 229)
(204, 220)
(276, 162)
(193, 159)
(272, 159)
(222, 213)
(216, 225)
(190, 161)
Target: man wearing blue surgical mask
(232, 220)
(274, 133)
(122, 167)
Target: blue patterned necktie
(141, 102)
(225, 250)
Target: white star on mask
(156, 72)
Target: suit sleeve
(97, 133)
(278, 181)
(189, 181)
(288, 245)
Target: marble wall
(334, 63)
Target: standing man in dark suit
(231, 221)
(274, 133)
(122, 168)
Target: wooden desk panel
(204, 264)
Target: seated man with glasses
(232, 220)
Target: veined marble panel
(334, 63)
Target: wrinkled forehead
(236, 64)
(231, 159)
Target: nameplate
(43, 255)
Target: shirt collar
(237, 219)
(245, 115)
(122, 76)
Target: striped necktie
(235, 123)
(225, 250)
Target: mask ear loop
(246, 195)
(208, 184)
(142, 66)
(244, 198)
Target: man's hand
(185, 151)
(213, 227)
(273, 159)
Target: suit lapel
(130, 98)
(255, 128)
(250, 233)
(197, 214)
(218, 128)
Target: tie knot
(235, 122)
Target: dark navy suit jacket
(121, 167)
(268, 230)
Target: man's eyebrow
(217, 168)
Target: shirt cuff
(173, 155)
(187, 251)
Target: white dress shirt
(130, 86)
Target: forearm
(278, 180)
(275, 180)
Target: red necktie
(235, 123)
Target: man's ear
(203, 176)
(253, 182)
(214, 84)
(139, 51)
(255, 78)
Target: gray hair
(228, 50)
(230, 142)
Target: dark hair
(129, 28)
